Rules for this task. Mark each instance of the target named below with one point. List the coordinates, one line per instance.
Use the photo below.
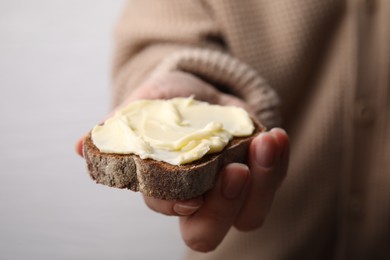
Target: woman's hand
(243, 194)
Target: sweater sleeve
(156, 37)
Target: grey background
(54, 79)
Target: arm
(157, 37)
(169, 48)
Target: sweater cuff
(235, 77)
(131, 74)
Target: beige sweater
(329, 63)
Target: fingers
(79, 146)
(284, 151)
(174, 208)
(204, 230)
(241, 197)
(268, 156)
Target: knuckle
(247, 226)
(217, 215)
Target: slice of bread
(162, 180)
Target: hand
(241, 198)
(243, 194)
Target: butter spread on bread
(177, 131)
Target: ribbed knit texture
(227, 71)
(326, 65)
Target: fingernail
(233, 183)
(278, 130)
(266, 151)
(185, 209)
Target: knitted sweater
(323, 68)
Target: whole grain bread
(162, 180)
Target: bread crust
(162, 180)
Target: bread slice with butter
(168, 149)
